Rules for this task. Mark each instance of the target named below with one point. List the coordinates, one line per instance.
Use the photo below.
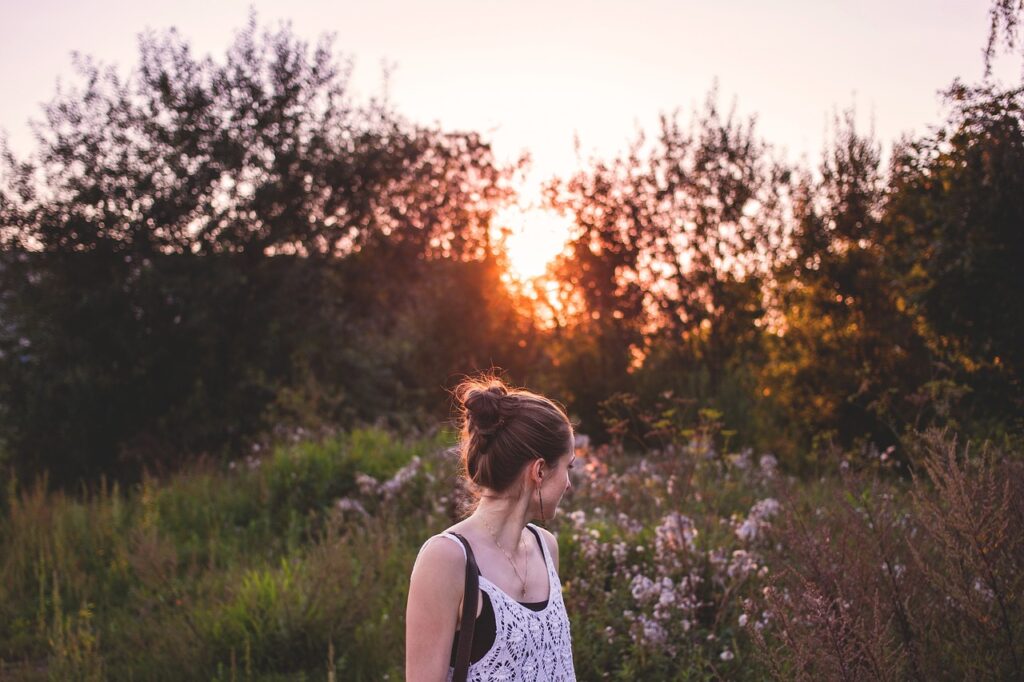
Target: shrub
(886, 586)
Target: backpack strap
(468, 623)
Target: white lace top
(528, 645)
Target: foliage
(683, 562)
(206, 253)
(205, 250)
(955, 242)
(213, 571)
(844, 354)
(669, 249)
(827, 311)
(206, 259)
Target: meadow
(805, 376)
(684, 562)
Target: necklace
(526, 565)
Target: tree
(179, 250)
(954, 222)
(845, 354)
(1004, 18)
(671, 245)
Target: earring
(540, 501)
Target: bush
(887, 584)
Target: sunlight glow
(533, 238)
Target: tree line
(204, 251)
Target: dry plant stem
(961, 521)
(823, 608)
(836, 636)
(767, 654)
(906, 630)
(858, 644)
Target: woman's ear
(538, 470)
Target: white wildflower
(348, 504)
(742, 460)
(367, 484)
(747, 530)
(629, 524)
(653, 632)
(766, 508)
(757, 519)
(675, 533)
(667, 598)
(578, 518)
(743, 563)
(897, 569)
(641, 588)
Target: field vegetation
(684, 562)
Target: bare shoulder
(431, 616)
(439, 558)
(552, 543)
(438, 577)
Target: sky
(537, 76)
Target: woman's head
(505, 430)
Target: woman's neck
(502, 517)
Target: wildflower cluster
(757, 520)
(677, 576)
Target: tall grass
(249, 572)
(686, 562)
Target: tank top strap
(543, 547)
(455, 540)
(444, 535)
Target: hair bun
(483, 406)
(503, 429)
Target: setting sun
(535, 236)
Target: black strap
(468, 623)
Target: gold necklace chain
(526, 564)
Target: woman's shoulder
(442, 550)
(440, 567)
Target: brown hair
(504, 429)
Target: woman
(517, 449)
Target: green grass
(251, 569)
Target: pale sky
(532, 75)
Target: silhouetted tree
(182, 239)
(901, 307)
(954, 224)
(670, 249)
(844, 354)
